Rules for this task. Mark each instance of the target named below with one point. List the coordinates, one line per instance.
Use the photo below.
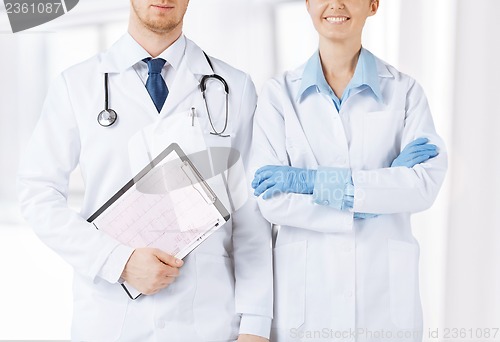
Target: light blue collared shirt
(365, 75)
(333, 186)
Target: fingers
(264, 173)
(165, 282)
(167, 271)
(422, 148)
(158, 286)
(430, 152)
(149, 270)
(274, 191)
(421, 156)
(417, 142)
(264, 186)
(265, 168)
(419, 159)
(432, 155)
(161, 278)
(416, 152)
(267, 184)
(261, 176)
(168, 259)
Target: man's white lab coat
(225, 285)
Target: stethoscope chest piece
(107, 117)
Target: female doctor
(346, 151)
(222, 291)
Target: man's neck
(154, 43)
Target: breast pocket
(382, 133)
(151, 140)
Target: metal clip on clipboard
(195, 178)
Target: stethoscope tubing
(108, 116)
(203, 88)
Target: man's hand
(251, 338)
(150, 270)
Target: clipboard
(167, 205)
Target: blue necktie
(156, 86)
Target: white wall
(427, 52)
(473, 267)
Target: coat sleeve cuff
(112, 269)
(331, 187)
(255, 325)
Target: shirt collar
(365, 74)
(173, 55)
(126, 52)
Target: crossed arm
(334, 186)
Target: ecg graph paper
(167, 209)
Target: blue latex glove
(362, 216)
(348, 196)
(416, 152)
(274, 179)
(333, 187)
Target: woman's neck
(339, 61)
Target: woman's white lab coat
(226, 281)
(335, 276)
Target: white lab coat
(225, 285)
(333, 274)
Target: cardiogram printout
(169, 208)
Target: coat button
(160, 324)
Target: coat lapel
(124, 53)
(118, 62)
(187, 80)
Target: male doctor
(222, 291)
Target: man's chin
(161, 27)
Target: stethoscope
(108, 116)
